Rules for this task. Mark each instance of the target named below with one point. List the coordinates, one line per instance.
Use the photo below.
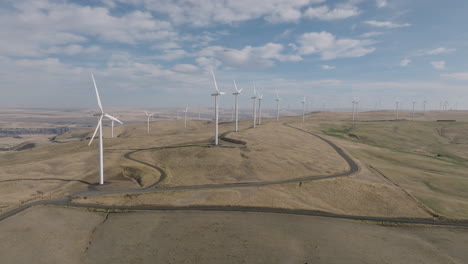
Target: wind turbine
(412, 114)
(277, 106)
(236, 103)
(255, 97)
(354, 110)
(99, 127)
(216, 94)
(185, 116)
(148, 119)
(397, 104)
(112, 124)
(424, 106)
(303, 109)
(260, 98)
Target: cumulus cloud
(438, 65)
(172, 54)
(381, 3)
(329, 47)
(405, 62)
(208, 12)
(371, 34)
(325, 13)
(385, 24)
(187, 68)
(437, 51)
(328, 67)
(247, 57)
(33, 28)
(73, 49)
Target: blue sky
(157, 53)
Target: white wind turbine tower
(236, 103)
(255, 97)
(112, 124)
(185, 116)
(412, 114)
(424, 106)
(99, 127)
(148, 116)
(397, 104)
(354, 110)
(260, 98)
(277, 106)
(303, 109)
(216, 94)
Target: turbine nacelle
(102, 114)
(238, 91)
(218, 93)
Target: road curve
(353, 167)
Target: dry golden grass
(426, 158)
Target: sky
(158, 53)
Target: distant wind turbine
(185, 116)
(216, 94)
(236, 103)
(303, 109)
(255, 97)
(260, 98)
(354, 110)
(397, 104)
(424, 106)
(112, 124)
(412, 114)
(277, 106)
(148, 116)
(99, 127)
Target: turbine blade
(240, 91)
(146, 113)
(113, 118)
(235, 86)
(255, 90)
(214, 79)
(95, 131)
(97, 94)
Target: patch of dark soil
(24, 146)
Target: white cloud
(324, 13)
(461, 76)
(247, 57)
(73, 49)
(208, 12)
(438, 65)
(381, 3)
(286, 14)
(172, 54)
(187, 68)
(405, 62)
(328, 67)
(371, 34)
(437, 51)
(33, 28)
(385, 24)
(329, 47)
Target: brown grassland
(407, 168)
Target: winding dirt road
(353, 168)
